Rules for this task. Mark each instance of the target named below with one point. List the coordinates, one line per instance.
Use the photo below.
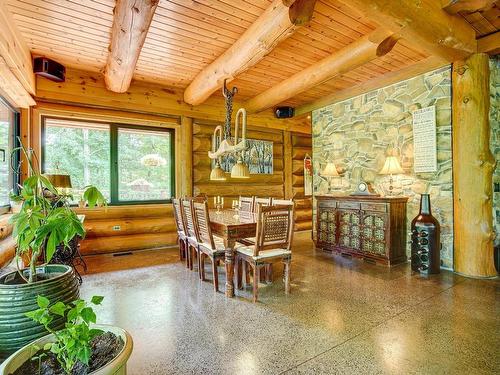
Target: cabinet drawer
(349, 205)
(378, 207)
(327, 204)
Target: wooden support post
(287, 164)
(186, 157)
(473, 166)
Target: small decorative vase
(426, 241)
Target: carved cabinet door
(349, 229)
(327, 225)
(374, 233)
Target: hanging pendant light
(240, 169)
(217, 173)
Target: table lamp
(391, 167)
(329, 172)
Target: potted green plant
(44, 222)
(81, 347)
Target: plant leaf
(96, 300)
(88, 315)
(59, 308)
(42, 302)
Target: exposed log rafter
(278, 22)
(466, 6)
(17, 79)
(376, 44)
(424, 23)
(131, 22)
(489, 44)
(424, 66)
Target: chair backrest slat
(281, 202)
(274, 227)
(179, 222)
(262, 201)
(187, 213)
(246, 204)
(202, 224)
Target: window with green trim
(128, 163)
(9, 128)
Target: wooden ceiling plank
(411, 71)
(273, 26)
(130, 26)
(367, 48)
(489, 44)
(15, 51)
(424, 23)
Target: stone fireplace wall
(356, 133)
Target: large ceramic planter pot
(57, 283)
(118, 366)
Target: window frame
(16, 134)
(114, 128)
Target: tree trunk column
(473, 165)
(186, 158)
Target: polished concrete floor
(343, 317)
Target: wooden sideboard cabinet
(373, 228)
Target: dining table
(231, 226)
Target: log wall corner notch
(279, 21)
(131, 21)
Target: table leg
(229, 245)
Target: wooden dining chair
(181, 230)
(261, 201)
(273, 244)
(281, 202)
(208, 245)
(246, 204)
(191, 240)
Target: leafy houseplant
(46, 219)
(45, 222)
(72, 343)
(79, 348)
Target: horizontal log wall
(261, 185)
(127, 228)
(300, 146)
(7, 243)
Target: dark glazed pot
(426, 241)
(58, 283)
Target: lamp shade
(391, 166)
(330, 170)
(240, 170)
(217, 174)
(59, 180)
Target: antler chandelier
(224, 145)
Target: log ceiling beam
(489, 44)
(15, 51)
(12, 89)
(278, 22)
(131, 23)
(424, 23)
(376, 44)
(466, 6)
(424, 66)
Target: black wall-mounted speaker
(284, 112)
(49, 69)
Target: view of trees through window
(81, 150)
(6, 145)
(143, 165)
(86, 151)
